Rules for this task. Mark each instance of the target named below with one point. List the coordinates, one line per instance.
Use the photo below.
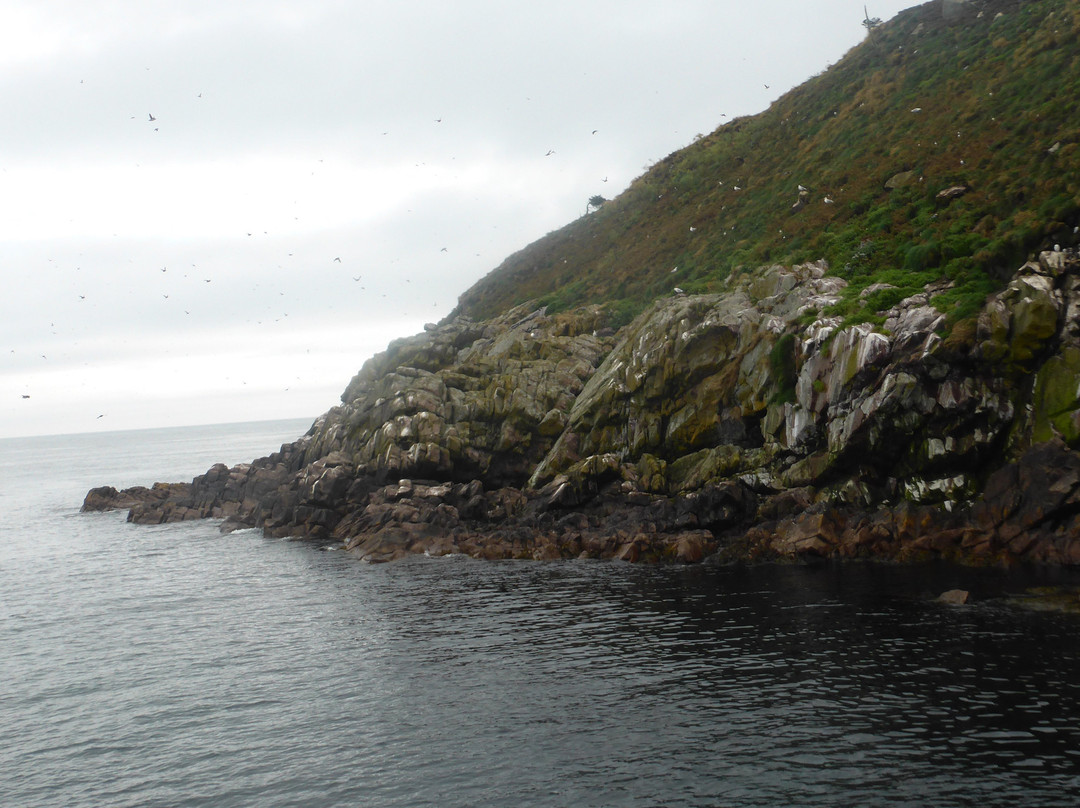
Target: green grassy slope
(998, 112)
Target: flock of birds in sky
(175, 292)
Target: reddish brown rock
(954, 597)
(809, 534)
(692, 547)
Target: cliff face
(885, 406)
(746, 423)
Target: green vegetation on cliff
(944, 147)
(781, 407)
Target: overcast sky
(216, 211)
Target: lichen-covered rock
(1056, 398)
(469, 400)
(747, 424)
(1017, 324)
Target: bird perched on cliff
(679, 291)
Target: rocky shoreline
(743, 425)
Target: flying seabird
(152, 117)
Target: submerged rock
(1048, 599)
(954, 597)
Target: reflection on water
(174, 666)
(768, 685)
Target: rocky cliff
(918, 397)
(743, 424)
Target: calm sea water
(174, 666)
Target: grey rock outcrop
(746, 424)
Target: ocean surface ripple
(174, 666)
